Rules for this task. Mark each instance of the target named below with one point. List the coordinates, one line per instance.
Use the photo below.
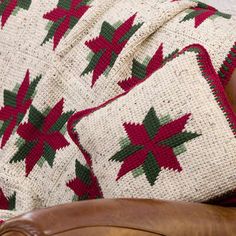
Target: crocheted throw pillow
(170, 137)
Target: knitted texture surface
(65, 56)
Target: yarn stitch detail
(228, 66)
(16, 106)
(41, 137)
(141, 71)
(84, 184)
(108, 45)
(7, 203)
(152, 146)
(63, 18)
(202, 12)
(10, 7)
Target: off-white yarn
(21, 50)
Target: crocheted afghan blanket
(61, 58)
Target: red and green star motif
(108, 45)
(141, 71)
(202, 12)
(153, 146)
(85, 185)
(16, 104)
(42, 136)
(63, 18)
(7, 203)
(9, 7)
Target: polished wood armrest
(126, 217)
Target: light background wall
(223, 5)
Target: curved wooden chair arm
(127, 217)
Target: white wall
(223, 5)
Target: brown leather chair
(127, 217)
(231, 91)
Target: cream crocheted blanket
(58, 58)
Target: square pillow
(171, 137)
